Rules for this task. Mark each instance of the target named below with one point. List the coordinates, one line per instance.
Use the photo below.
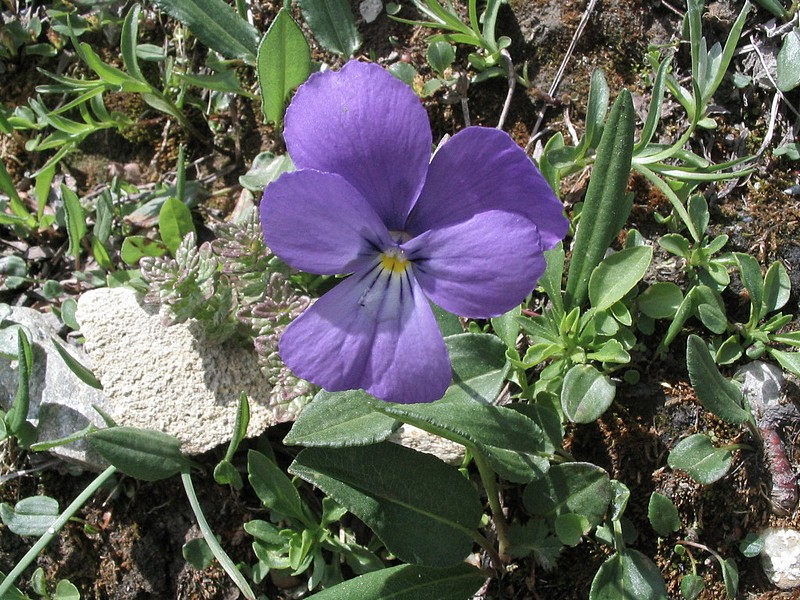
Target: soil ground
(135, 551)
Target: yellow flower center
(394, 260)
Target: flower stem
(53, 530)
(208, 534)
(493, 495)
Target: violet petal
(317, 222)
(481, 267)
(481, 169)
(374, 331)
(367, 126)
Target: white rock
(170, 378)
(422, 441)
(370, 9)
(780, 557)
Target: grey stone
(780, 557)
(370, 9)
(762, 383)
(171, 378)
(60, 403)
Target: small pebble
(370, 9)
(780, 557)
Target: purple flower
(465, 230)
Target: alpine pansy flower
(464, 230)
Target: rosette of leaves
(280, 305)
(234, 287)
(192, 285)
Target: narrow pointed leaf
(607, 205)
(217, 25)
(333, 25)
(716, 393)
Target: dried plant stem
(562, 67)
(512, 83)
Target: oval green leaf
(700, 459)
(140, 453)
(617, 275)
(586, 394)
(390, 487)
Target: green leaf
(551, 280)
(628, 574)
(440, 56)
(750, 272)
(174, 223)
(338, 419)
(788, 65)
(692, 586)
(507, 326)
(661, 300)
(390, 487)
(265, 169)
(788, 360)
(617, 275)
(777, 289)
(283, 63)
(140, 453)
(697, 207)
(130, 32)
(76, 220)
(752, 545)
(18, 413)
(273, 487)
(30, 516)
(663, 515)
(730, 575)
(570, 488)
(570, 528)
(700, 459)
(408, 582)
(217, 25)
(134, 247)
(82, 372)
(596, 109)
(607, 206)
(586, 394)
(717, 394)
(534, 537)
(197, 553)
(676, 244)
(333, 25)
